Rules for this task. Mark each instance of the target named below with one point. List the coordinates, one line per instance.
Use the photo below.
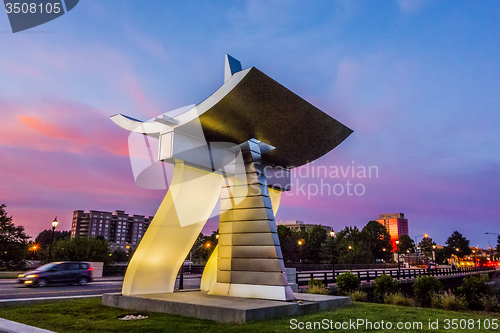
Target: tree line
(348, 246)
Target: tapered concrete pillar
(250, 263)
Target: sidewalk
(7, 326)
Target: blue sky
(417, 81)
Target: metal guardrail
(303, 278)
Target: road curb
(21, 301)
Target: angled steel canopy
(251, 105)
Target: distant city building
(298, 225)
(121, 230)
(396, 225)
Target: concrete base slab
(198, 304)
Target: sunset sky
(417, 81)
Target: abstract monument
(237, 148)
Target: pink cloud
(60, 126)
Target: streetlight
(493, 233)
(332, 235)
(300, 242)
(350, 254)
(54, 225)
(417, 248)
(399, 268)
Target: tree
(406, 243)
(498, 246)
(203, 247)
(427, 245)
(313, 244)
(82, 249)
(13, 242)
(457, 241)
(352, 248)
(377, 240)
(44, 239)
(289, 244)
(119, 255)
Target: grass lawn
(88, 315)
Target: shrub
(473, 288)
(424, 287)
(437, 301)
(490, 303)
(384, 285)
(398, 299)
(347, 283)
(448, 301)
(317, 287)
(358, 296)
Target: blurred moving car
(58, 272)
(431, 266)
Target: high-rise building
(121, 230)
(396, 225)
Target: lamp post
(332, 235)
(300, 242)
(350, 255)
(434, 253)
(417, 248)
(498, 235)
(54, 225)
(399, 268)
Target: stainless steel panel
(224, 251)
(246, 251)
(253, 226)
(224, 276)
(224, 264)
(225, 228)
(256, 265)
(248, 202)
(256, 239)
(252, 214)
(260, 278)
(225, 239)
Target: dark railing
(326, 267)
(119, 270)
(370, 275)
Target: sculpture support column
(209, 277)
(193, 194)
(250, 263)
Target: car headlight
(31, 276)
(20, 275)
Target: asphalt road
(10, 289)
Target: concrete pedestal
(198, 304)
